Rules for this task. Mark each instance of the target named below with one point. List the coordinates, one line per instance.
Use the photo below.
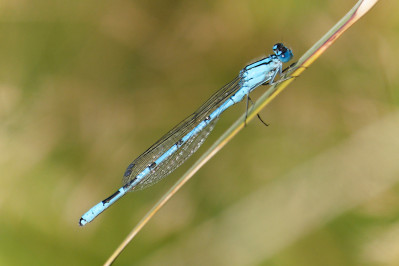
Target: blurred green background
(87, 86)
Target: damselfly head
(282, 52)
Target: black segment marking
(129, 183)
(152, 166)
(110, 197)
(179, 143)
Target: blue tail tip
(82, 222)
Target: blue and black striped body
(177, 145)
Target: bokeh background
(87, 86)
